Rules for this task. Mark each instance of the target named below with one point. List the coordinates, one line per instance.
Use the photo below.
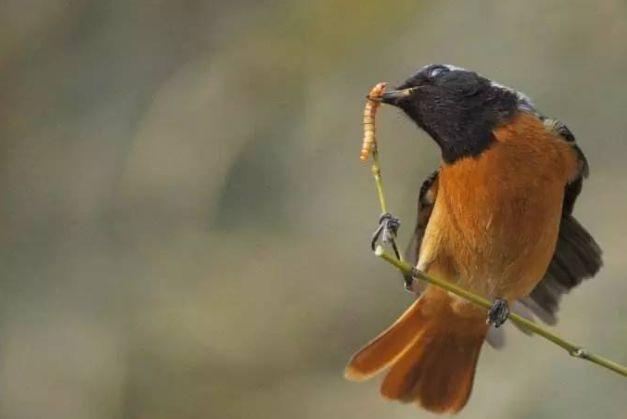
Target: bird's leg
(386, 233)
(409, 282)
(498, 313)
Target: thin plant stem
(572, 349)
(376, 172)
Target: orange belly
(496, 218)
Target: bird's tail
(432, 353)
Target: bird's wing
(577, 255)
(426, 200)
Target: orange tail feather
(432, 352)
(383, 350)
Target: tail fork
(432, 353)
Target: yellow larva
(369, 142)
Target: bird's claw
(409, 282)
(387, 230)
(386, 234)
(498, 313)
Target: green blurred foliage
(184, 219)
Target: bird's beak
(393, 97)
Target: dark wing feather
(577, 255)
(426, 200)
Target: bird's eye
(437, 71)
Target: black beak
(393, 97)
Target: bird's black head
(458, 108)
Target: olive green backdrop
(184, 220)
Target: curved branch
(572, 349)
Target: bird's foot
(498, 313)
(409, 282)
(386, 232)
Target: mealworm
(369, 142)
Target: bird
(496, 217)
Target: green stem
(574, 350)
(376, 172)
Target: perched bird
(495, 218)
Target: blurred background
(184, 220)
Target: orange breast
(496, 218)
